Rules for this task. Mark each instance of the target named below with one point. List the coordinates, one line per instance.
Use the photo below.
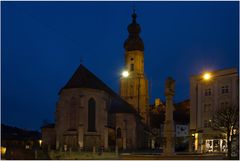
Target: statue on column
(169, 148)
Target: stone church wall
(72, 118)
(126, 122)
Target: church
(90, 114)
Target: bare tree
(226, 119)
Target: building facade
(49, 136)
(206, 96)
(134, 88)
(89, 114)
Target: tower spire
(134, 89)
(134, 15)
(134, 41)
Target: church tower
(134, 87)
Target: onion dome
(134, 42)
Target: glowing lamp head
(207, 76)
(40, 142)
(125, 74)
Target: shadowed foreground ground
(56, 155)
(132, 156)
(176, 157)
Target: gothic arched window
(91, 115)
(72, 114)
(119, 134)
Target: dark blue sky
(43, 44)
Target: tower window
(91, 115)
(132, 59)
(132, 67)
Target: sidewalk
(174, 157)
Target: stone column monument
(169, 148)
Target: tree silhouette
(226, 119)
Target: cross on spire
(134, 15)
(134, 9)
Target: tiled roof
(83, 78)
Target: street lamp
(40, 142)
(125, 74)
(207, 76)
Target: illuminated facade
(206, 96)
(134, 88)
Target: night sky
(43, 43)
